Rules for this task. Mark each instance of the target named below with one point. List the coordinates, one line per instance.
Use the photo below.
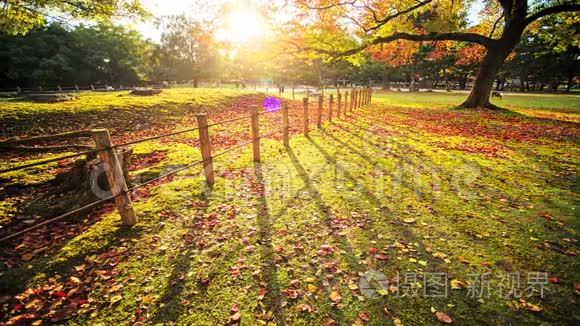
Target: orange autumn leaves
(402, 52)
(395, 53)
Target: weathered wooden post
(293, 88)
(352, 99)
(255, 133)
(345, 103)
(371, 96)
(205, 148)
(115, 176)
(359, 98)
(338, 104)
(330, 103)
(285, 123)
(366, 95)
(305, 120)
(319, 111)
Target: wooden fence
(120, 192)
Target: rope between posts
(93, 204)
(56, 159)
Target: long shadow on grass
(171, 297)
(16, 280)
(267, 257)
(402, 229)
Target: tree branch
(550, 11)
(464, 37)
(495, 25)
(386, 19)
(332, 5)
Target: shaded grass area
(103, 101)
(405, 193)
(114, 110)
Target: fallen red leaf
(381, 257)
(443, 317)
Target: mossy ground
(408, 192)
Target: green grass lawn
(407, 191)
(90, 102)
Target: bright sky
(241, 24)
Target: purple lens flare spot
(272, 104)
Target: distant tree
(548, 55)
(21, 16)
(189, 49)
(65, 56)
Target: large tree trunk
(386, 82)
(479, 96)
(492, 61)
(569, 81)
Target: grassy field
(90, 102)
(411, 196)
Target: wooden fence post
(255, 133)
(371, 95)
(359, 98)
(305, 120)
(319, 111)
(330, 103)
(205, 148)
(293, 87)
(345, 103)
(115, 176)
(92, 87)
(285, 123)
(352, 99)
(338, 104)
(367, 95)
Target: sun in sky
(242, 24)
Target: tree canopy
(19, 17)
